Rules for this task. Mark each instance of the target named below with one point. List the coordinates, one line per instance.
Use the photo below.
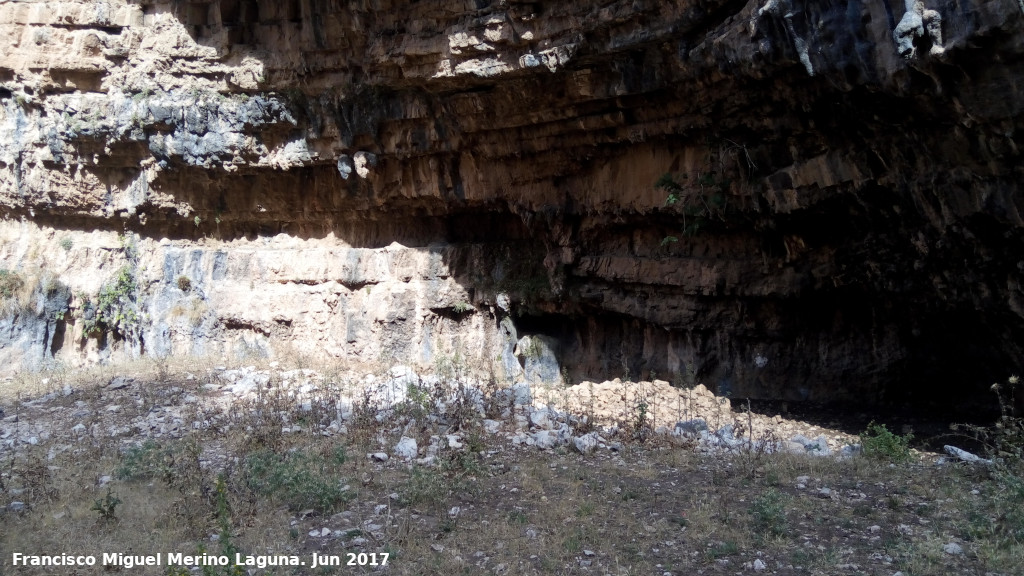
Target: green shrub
(640, 424)
(722, 549)
(460, 463)
(149, 460)
(176, 464)
(769, 513)
(881, 444)
(702, 200)
(115, 307)
(226, 541)
(106, 507)
(184, 283)
(426, 486)
(298, 479)
(418, 402)
(66, 243)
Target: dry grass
(238, 480)
(193, 311)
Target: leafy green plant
(702, 202)
(572, 543)
(176, 464)
(461, 463)
(115, 307)
(426, 486)
(227, 546)
(66, 243)
(517, 517)
(462, 307)
(769, 513)
(585, 509)
(641, 427)
(418, 400)
(107, 506)
(702, 194)
(225, 538)
(146, 461)
(141, 96)
(723, 548)
(880, 444)
(129, 248)
(298, 479)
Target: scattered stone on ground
(536, 416)
(965, 455)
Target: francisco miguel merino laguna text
(179, 559)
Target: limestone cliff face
(783, 198)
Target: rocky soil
(134, 410)
(445, 472)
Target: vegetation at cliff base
(881, 444)
(199, 459)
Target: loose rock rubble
(585, 418)
(409, 425)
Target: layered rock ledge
(802, 200)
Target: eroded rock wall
(312, 299)
(845, 177)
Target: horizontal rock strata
(782, 199)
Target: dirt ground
(273, 481)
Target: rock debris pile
(411, 419)
(584, 418)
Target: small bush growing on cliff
(10, 283)
(881, 444)
(115, 307)
(184, 284)
(21, 293)
(702, 202)
(702, 193)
